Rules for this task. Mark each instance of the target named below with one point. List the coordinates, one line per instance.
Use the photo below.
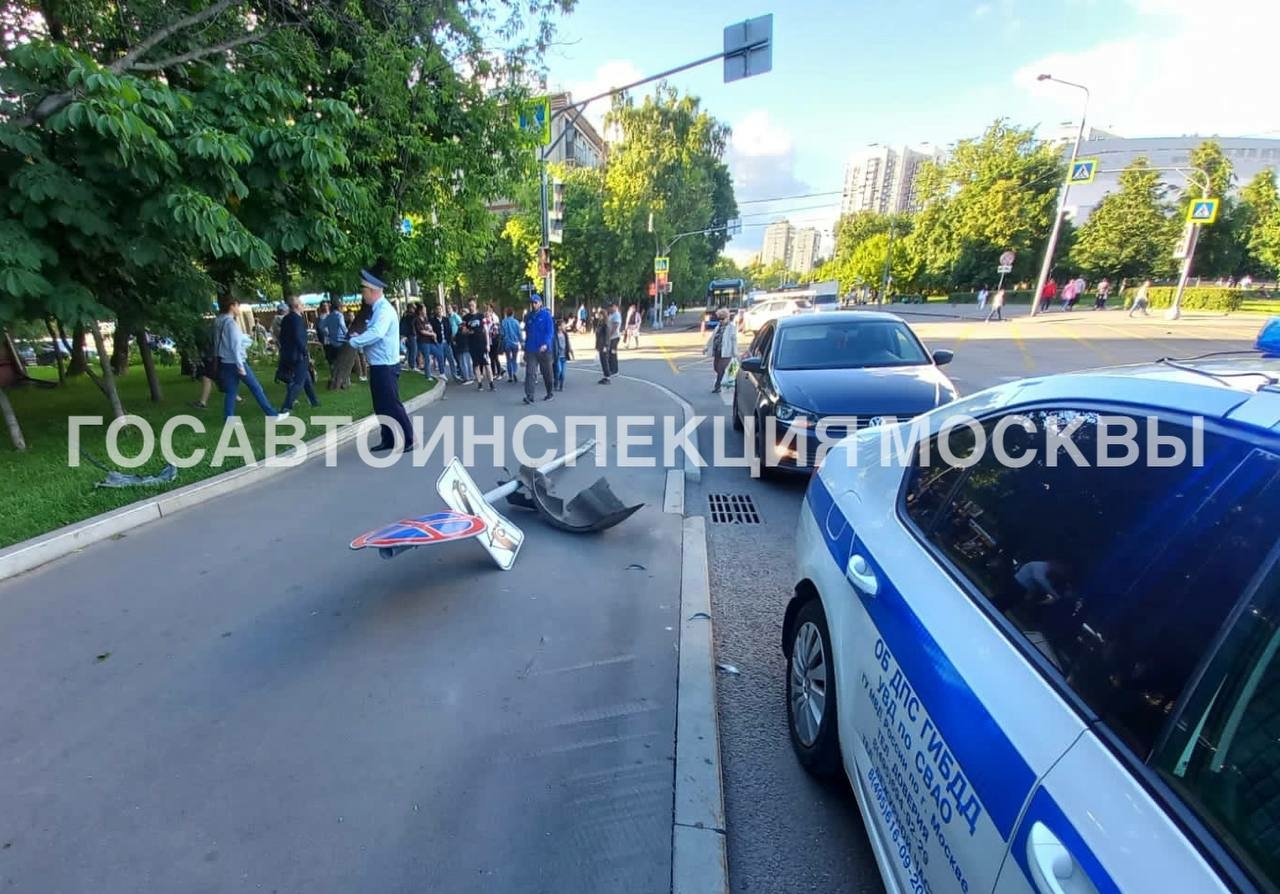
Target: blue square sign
(1202, 211)
(1083, 170)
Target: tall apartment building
(777, 246)
(882, 179)
(805, 243)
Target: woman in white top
(722, 347)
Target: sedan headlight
(795, 416)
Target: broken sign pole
(559, 462)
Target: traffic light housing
(555, 213)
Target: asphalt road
(231, 700)
(786, 832)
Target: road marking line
(667, 356)
(1134, 332)
(1022, 346)
(1102, 352)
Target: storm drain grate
(732, 509)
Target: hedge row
(1193, 297)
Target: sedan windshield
(848, 344)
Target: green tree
(1132, 231)
(667, 166)
(156, 153)
(993, 193)
(1220, 247)
(1260, 224)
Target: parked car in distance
(762, 312)
(862, 367)
(1051, 674)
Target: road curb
(673, 495)
(31, 554)
(692, 470)
(699, 860)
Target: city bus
(727, 293)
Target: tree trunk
(108, 377)
(149, 366)
(79, 362)
(282, 265)
(11, 422)
(57, 355)
(120, 348)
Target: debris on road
(166, 475)
(595, 509)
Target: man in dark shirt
(475, 325)
(295, 358)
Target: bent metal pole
(510, 487)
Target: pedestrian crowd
(1068, 296)
(466, 344)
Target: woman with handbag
(723, 346)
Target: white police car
(1045, 676)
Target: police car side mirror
(752, 365)
(942, 358)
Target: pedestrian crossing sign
(1202, 211)
(535, 119)
(1083, 170)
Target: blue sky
(847, 73)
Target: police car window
(1223, 753)
(1119, 575)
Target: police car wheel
(811, 693)
(737, 415)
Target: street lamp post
(1062, 195)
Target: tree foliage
(1132, 231)
(666, 165)
(993, 193)
(1260, 224)
(155, 153)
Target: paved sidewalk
(229, 699)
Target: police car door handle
(861, 576)
(1053, 869)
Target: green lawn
(1261, 305)
(40, 492)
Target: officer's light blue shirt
(381, 340)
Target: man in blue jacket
(295, 358)
(540, 330)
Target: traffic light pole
(544, 255)
(753, 47)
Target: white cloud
(762, 159)
(756, 134)
(613, 73)
(982, 10)
(1194, 67)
